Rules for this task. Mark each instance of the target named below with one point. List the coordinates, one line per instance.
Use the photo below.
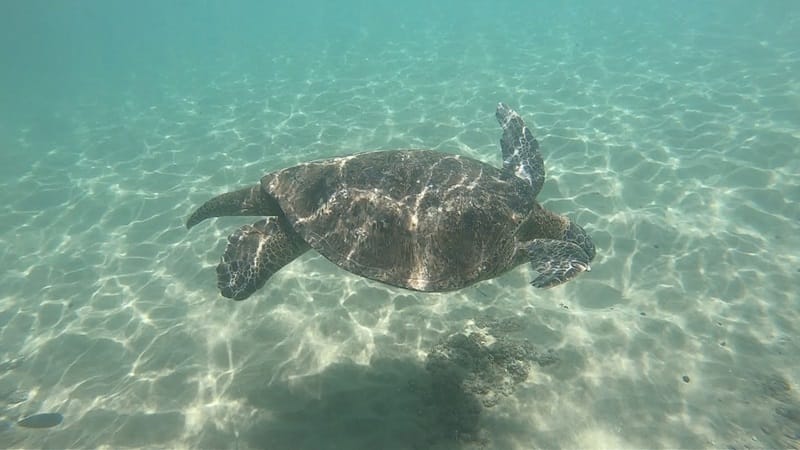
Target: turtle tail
(251, 201)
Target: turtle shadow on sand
(394, 403)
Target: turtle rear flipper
(250, 201)
(254, 253)
(521, 156)
(556, 261)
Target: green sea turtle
(417, 219)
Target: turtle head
(561, 257)
(578, 236)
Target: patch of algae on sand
(472, 370)
(487, 366)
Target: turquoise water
(670, 131)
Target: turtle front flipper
(254, 253)
(556, 261)
(520, 150)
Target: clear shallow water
(670, 132)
